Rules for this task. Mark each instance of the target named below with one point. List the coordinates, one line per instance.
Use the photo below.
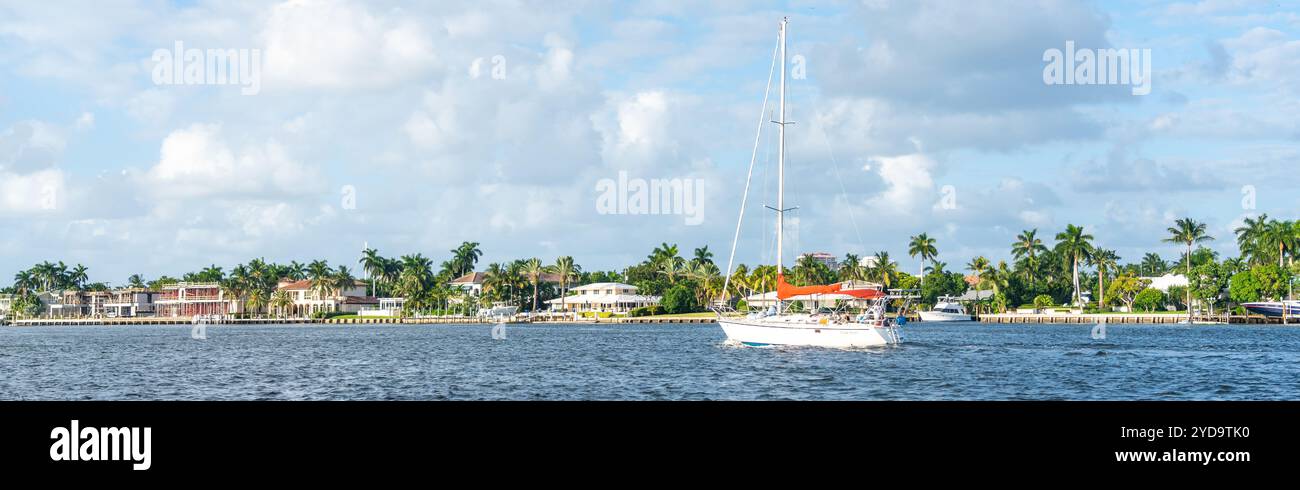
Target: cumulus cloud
(336, 44)
(404, 104)
(197, 162)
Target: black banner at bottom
(320, 440)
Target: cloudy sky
(413, 126)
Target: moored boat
(947, 309)
(777, 325)
(1275, 309)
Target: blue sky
(100, 165)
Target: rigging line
(844, 192)
(769, 246)
(752, 157)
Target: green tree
(924, 246)
(679, 299)
(1075, 245)
(1102, 259)
(1125, 288)
(1028, 247)
(1149, 299)
(533, 270)
(373, 264)
(1188, 232)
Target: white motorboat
(498, 310)
(777, 325)
(947, 309)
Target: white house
(129, 302)
(612, 297)
(307, 300)
(386, 307)
(1163, 283)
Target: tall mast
(780, 159)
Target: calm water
(643, 362)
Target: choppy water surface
(644, 362)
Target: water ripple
(643, 362)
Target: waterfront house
(187, 299)
(129, 302)
(78, 304)
(606, 297)
(472, 283)
(308, 300)
(6, 305)
(1163, 283)
(386, 307)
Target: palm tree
(703, 256)
(1028, 246)
(415, 280)
(671, 267)
(740, 279)
(464, 258)
(25, 281)
(343, 281)
(851, 268)
(936, 267)
(1101, 259)
(1189, 232)
(135, 281)
(212, 273)
(281, 300)
(257, 298)
(318, 272)
(1280, 235)
(533, 270)
(78, 276)
(885, 270)
(295, 271)
(1152, 265)
(1250, 237)
(1076, 245)
(373, 264)
(977, 266)
(494, 281)
(566, 270)
(805, 269)
(922, 245)
(999, 277)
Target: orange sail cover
(785, 291)
(863, 293)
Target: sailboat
(778, 326)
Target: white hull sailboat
(799, 332)
(778, 327)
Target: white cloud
(909, 187)
(197, 162)
(336, 44)
(85, 121)
(30, 145)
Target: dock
(50, 322)
(1123, 318)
